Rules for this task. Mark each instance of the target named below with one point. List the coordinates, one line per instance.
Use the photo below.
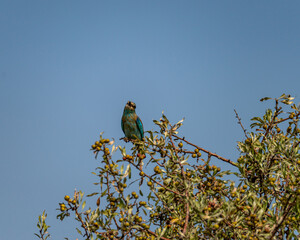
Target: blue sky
(67, 68)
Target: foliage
(43, 227)
(181, 195)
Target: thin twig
(82, 223)
(284, 119)
(240, 122)
(152, 179)
(206, 151)
(276, 113)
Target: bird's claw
(125, 139)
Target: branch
(286, 212)
(82, 223)
(240, 122)
(284, 119)
(186, 190)
(152, 179)
(186, 217)
(206, 151)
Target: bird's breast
(130, 126)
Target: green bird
(131, 124)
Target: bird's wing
(140, 126)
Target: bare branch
(240, 122)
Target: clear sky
(67, 68)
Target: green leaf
(287, 102)
(144, 211)
(104, 193)
(83, 205)
(92, 194)
(264, 99)
(121, 204)
(282, 96)
(130, 211)
(81, 194)
(257, 119)
(156, 122)
(162, 232)
(79, 231)
(127, 171)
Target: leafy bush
(179, 194)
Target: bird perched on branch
(131, 124)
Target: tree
(181, 195)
